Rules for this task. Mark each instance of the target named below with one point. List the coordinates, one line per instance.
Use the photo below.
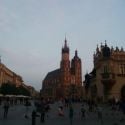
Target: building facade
(6, 75)
(107, 79)
(65, 81)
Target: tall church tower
(65, 65)
(76, 69)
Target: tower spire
(65, 45)
(105, 42)
(76, 53)
(65, 49)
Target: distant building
(65, 81)
(32, 91)
(107, 79)
(6, 75)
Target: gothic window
(106, 69)
(65, 78)
(68, 78)
(73, 80)
(122, 69)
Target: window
(106, 69)
(122, 69)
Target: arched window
(122, 69)
(123, 92)
(106, 69)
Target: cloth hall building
(107, 79)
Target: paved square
(17, 112)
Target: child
(60, 111)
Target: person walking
(27, 104)
(60, 111)
(34, 115)
(99, 113)
(82, 111)
(42, 111)
(6, 108)
(71, 113)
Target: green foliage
(9, 88)
(23, 91)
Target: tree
(11, 89)
(8, 88)
(23, 91)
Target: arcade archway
(123, 92)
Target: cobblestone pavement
(16, 117)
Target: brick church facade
(65, 81)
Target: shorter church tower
(76, 69)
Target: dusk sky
(32, 33)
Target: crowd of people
(43, 106)
(7, 102)
(85, 107)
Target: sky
(32, 33)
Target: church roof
(53, 74)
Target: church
(66, 81)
